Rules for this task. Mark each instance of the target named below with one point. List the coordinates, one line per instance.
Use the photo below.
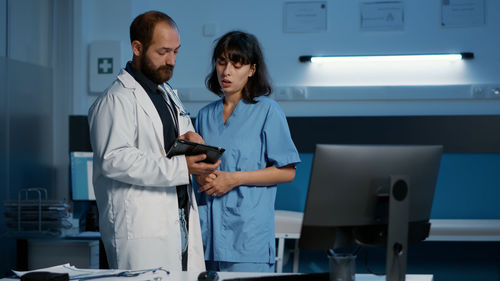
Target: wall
(30, 41)
(26, 139)
(5, 247)
(382, 89)
(62, 68)
(34, 103)
(3, 28)
(95, 21)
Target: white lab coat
(134, 182)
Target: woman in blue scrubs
(236, 203)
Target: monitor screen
(81, 176)
(348, 198)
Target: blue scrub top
(239, 226)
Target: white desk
(190, 276)
(289, 223)
(287, 226)
(193, 276)
(464, 230)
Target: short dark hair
(143, 26)
(244, 48)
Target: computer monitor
(81, 176)
(378, 195)
(80, 159)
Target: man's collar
(146, 83)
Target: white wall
(305, 89)
(35, 99)
(62, 66)
(30, 40)
(39, 33)
(95, 21)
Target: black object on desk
(287, 277)
(208, 276)
(45, 276)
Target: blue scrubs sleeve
(280, 149)
(196, 122)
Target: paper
(384, 15)
(304, 16)
(462, 13)
(74, 273)
(88, 274)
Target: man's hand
(196, 167)
(192, 136)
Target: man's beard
(160, 75)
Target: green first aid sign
(104, 65)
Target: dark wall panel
(458, 134)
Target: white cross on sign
(104, 65)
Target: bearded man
(148, 216)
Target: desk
(289, 223)
(287, 226)
(83, 250)
(193, 276)
(190, 276)
(464, 230)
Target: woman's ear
(137, 48)
(253, 68)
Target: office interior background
(45, 77)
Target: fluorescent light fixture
(387, 58)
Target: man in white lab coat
(147, 213)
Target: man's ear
(137, 48)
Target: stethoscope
(175, 99)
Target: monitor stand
(397, 229)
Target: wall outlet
(298, 93)
(487, 91)
(478, 92)
(282, 93)
(494, 92)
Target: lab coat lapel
(172, 93)
(145, 102)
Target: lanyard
(175, 98)
(171, 106)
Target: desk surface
(288, 225)
(189, 276)
(193, 276)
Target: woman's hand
(204, 179)
(223, 182)
(219, 185)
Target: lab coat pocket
(147, 213)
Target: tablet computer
(192, 148)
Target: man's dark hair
(244, 48)
(143, 26)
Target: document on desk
(154, 274)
